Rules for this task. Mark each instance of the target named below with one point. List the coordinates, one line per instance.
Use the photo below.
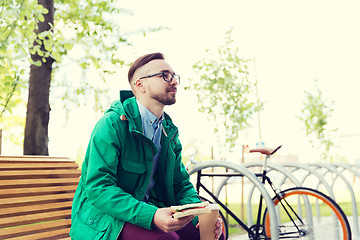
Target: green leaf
(37, 63)
(68, 46)
(40, 52)
(48, 45)
(43, 35)
(9, 13)
(41, 18)
(56, 56)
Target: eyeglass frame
(173, 75)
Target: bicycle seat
(266, 151)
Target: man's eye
(167, 75)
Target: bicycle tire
(225, 227)
(327, 227)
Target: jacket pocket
(130, 174)
(89, 223)
(134, 167)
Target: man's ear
(139, 85)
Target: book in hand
(193, 209)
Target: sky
(292, 43)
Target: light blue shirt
(152, 128)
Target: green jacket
(116, 172)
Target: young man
(132, 172)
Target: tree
(315, 114)
(33, 34)
(224, 90)
(38, 106)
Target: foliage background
(290, 52)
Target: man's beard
(163, 98)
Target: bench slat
(34, 158)
(34, 218)
(55, 234)
(23, 230)
(42, 173)
(40, 198)
(36, 190)
(15, 211)
(29, 182)
(42, 165)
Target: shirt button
(91, 221)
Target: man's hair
(141, 61)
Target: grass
(347, 208)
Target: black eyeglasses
(167, 76)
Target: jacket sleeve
(103, 155)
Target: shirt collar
(148, 116)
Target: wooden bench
(36, 194)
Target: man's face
(156, 88)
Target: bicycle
(294, 207)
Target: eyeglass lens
(169, 77)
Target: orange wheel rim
(298, 192)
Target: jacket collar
(131, 109)
(132, 113)
(125, 94)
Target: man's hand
(164, 221)
(218, 230)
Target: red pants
(132, 232)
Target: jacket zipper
(167, 150)
(135, 135)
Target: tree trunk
(38, 107)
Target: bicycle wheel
(224, 222)
(308, 214)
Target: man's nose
(174, 81)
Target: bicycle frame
(253, 233)
(199, 184)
